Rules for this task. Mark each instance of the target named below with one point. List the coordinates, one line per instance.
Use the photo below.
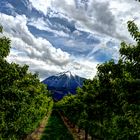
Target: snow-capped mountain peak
(67, 73)
(64, 83)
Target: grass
(56, 129)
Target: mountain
(63, 83)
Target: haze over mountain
(53, 36)
(63, 83)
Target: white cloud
(41, 24)
(81, 67)
(8, 5)
(28, 4)
(24, 41)
(102, 17)
(38, 53)
(84, 68)
(106, 18)
(41, 5)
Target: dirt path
(36, 135)
(74, 130)
(39, 131)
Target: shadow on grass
(56, 129)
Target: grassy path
(56, 129)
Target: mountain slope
(63, 83)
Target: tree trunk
(73, 126)
(86, 134)
(92, 138)
(78, 130)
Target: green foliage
(1, 29)
(24, 100)
(108, 107)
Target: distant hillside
(63, 83)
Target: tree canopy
(108, 107)
(24, 99)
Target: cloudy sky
(54, 36)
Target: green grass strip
(56, 129)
